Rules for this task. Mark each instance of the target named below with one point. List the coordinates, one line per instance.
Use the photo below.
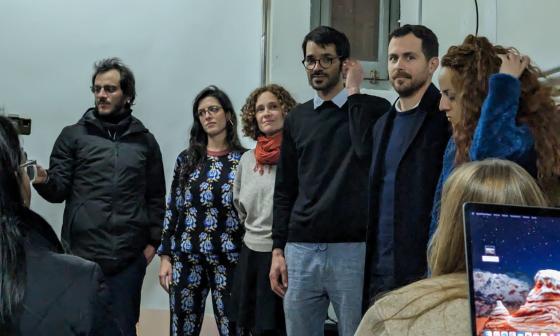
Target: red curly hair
(472, 63)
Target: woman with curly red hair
(498, 108)
(255, 306)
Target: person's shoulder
(297, 115)
(247, 157)
(182, 157)
(63, 270)
(430, 102)
(136, 125)
(370, 99)
(78, 128)
(451, 318)
(73, 130)
(430, 304)
(417, 295)
(299, 108)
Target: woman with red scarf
(255, 307)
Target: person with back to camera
(201, 236)
(439, 305)
(42, 290)
(498, 108)
(254, 305)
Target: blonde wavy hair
(248, 119)
(486, 181)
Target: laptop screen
(513, 264)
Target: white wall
(174, 47)
(289, 23)
(531, 26)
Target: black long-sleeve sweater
(321, 184)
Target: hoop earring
(231, 122)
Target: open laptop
(513, 265)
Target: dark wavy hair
(196, 153)
(12, 253)
(127, 82)
(248, 113)
(324, 35)
(473, 62)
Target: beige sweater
(252, 197)
(449, 318)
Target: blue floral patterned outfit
(497, 135)
(202, 235)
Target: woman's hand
(165, 272)
(513, 64)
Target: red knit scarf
(267, 151)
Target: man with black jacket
(320, 203)
(408, 146)
(108, 169)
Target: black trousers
(126, 288)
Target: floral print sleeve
(174, 204)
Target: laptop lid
(513, 266)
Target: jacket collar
(339, 100)
(428, 105)
(430, 98)
(89, 118)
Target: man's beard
(116, 110)
(411, 87)
(329, 82)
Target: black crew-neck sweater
(320, 192)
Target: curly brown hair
(473, 62)
(248, 119)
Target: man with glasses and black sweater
(320, 196)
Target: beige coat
(391, 315)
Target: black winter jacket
(64, 295)
(114, 190)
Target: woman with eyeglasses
(201, 236)
(255, 306)
(42, 290)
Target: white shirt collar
(339, 100)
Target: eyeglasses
(107, 88)
(30, 167)
(212, 109)
(324, 62)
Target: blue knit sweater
(497, 135)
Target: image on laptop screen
(513, 264)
